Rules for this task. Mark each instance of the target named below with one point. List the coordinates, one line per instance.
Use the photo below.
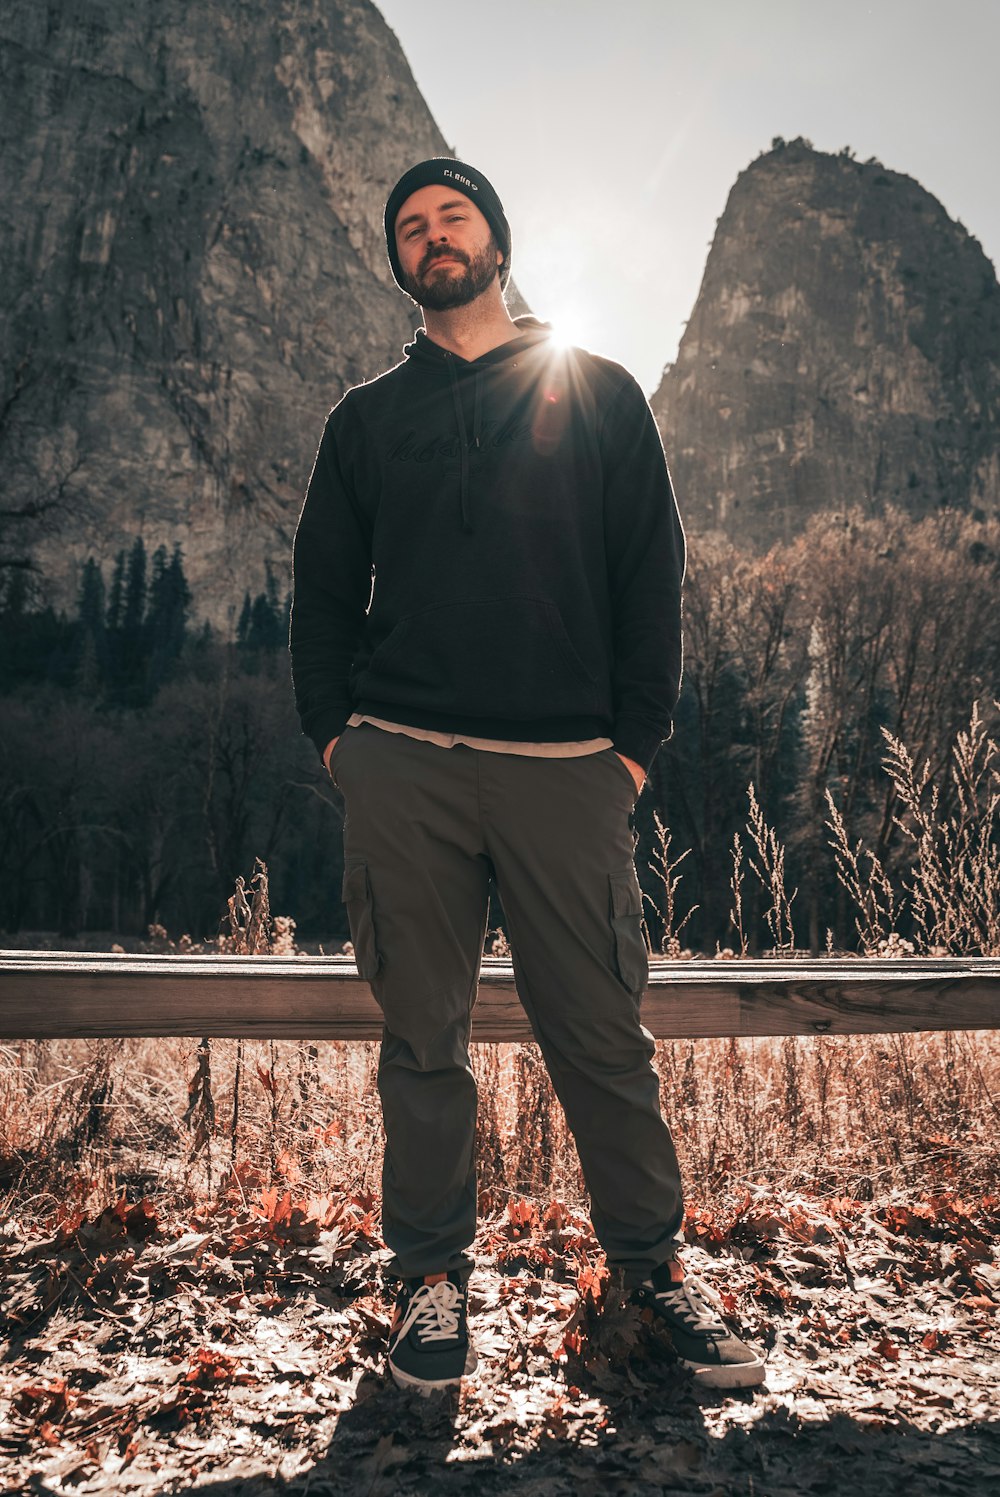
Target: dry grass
(858, 1117)
(83, 1121)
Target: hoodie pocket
(507, 658)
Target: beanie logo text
(457, 177)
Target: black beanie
(466, 180)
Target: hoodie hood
(424, 355)
(423, 350)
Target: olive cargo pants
(425, 829)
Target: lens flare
(567, 330)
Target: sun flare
(568, 329)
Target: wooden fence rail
(48, 995)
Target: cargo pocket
(631, 957)
(357, 896)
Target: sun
(569, 329)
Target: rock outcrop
(193, 268)
(844, 348)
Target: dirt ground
(240, 1349)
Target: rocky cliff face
(193, 267)
(844, 348)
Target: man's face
(446, 248)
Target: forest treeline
(146, 761)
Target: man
(486, 651)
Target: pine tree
(135, 591)
(243, 627)
(271, 588)
(166, 618)
(265, 624)
(116, 596)
(91, 602)
(129, 683)
(90, 645)
(13, 618)
(113, 623)
(180, 601)
(156, 622)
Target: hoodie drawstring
(477, 409)
(463, 439)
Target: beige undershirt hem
(492, 745)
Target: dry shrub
(769, 866)
(835, 1115)
(665, 869)
(853, 1116)
(955, 884)
(951, 883)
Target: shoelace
(686, 1300)
(434, 1310)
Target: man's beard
(444, 293)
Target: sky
(613, 130)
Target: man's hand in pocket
(635, 770)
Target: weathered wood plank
(68, 994)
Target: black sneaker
(429, 1346)
(697, 1333)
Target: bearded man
(486, 652)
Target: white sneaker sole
(729, 1375)
(427, 1386)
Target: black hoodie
(517, 517)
